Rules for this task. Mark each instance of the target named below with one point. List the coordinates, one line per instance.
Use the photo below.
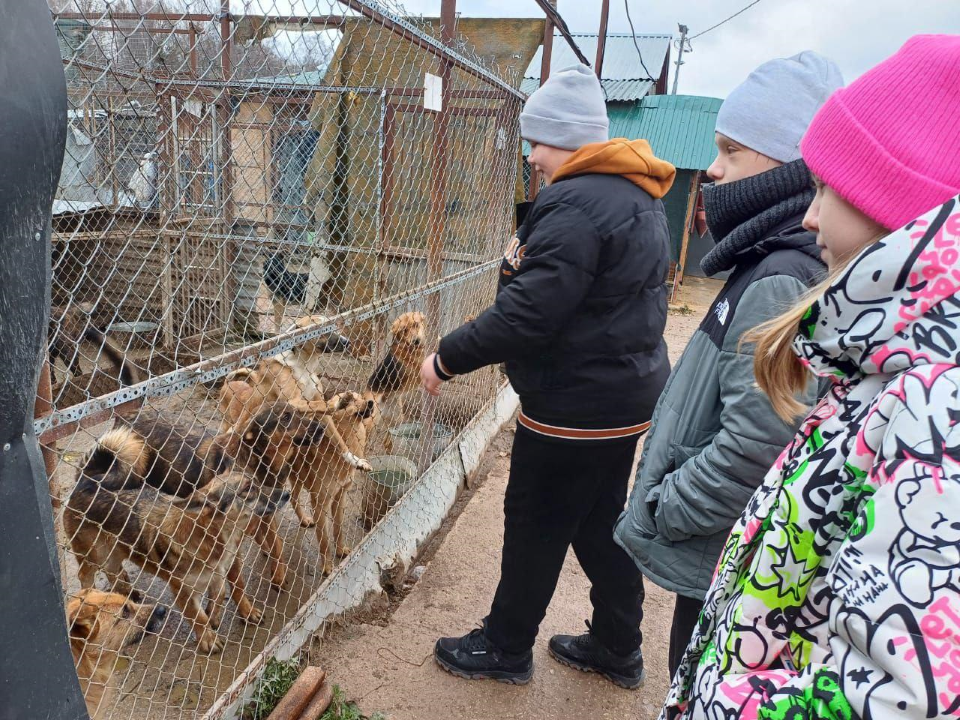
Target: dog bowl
(406, 439)
(136, 335)
(390, 479)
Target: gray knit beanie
(770, 111)
(569, 111)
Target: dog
(323, 473)
(190, 542)
(399, 370)
(69, 326)
(286, 287)
(178, 461)
(101, 625)
(291, 377)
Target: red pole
(544, 75)
(602, 37)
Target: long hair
(778, 370)
(776, 367)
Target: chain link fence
(264, 223)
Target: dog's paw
(307, 521)
(254, 616)
(358, 463)
(343, 549)
(209, 642)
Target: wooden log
(321, 701)
(299, 695)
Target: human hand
(428, 376)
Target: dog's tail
(127, 373)
(121, 446)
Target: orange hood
(631, 158)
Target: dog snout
(276, 501)
(156, 618)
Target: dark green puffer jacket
(713, 434)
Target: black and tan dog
(101, 625)
(399, 370)
(69, 327)
(115, 513)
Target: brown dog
(102, 624)
(191, 542)
(291, 377)
(323, 473)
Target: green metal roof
(679, 128)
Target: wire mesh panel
(260, 232)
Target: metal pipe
(216, 367)
(403, 28)
(554, 17)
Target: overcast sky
(856, 34)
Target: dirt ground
(384, 661)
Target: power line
(694, 37)
(633, 33)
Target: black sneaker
(585, 653)
(475, 658)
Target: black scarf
(741, 213)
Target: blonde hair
(778, 370)
(776, 367)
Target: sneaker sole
(503, 677)
(619, 680)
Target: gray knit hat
(770, 111)
(569, 111)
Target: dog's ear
(81, 617)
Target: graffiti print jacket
(838, 591)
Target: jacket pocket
(646, 520)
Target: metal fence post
(37, 675)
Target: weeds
(277, 679)
(341, 709)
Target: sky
(856, 34)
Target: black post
(37, 675)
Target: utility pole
(684, 45)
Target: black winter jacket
(580, 309)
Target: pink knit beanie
(889, 143)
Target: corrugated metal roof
(680, 128)
(615, 90)
(623, 76)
